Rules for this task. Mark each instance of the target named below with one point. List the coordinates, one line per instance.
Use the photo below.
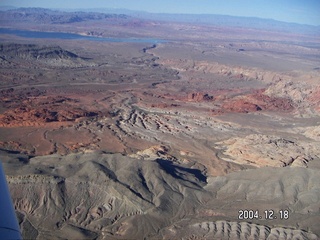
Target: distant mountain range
(216, 19)
(48, 16)
(233, 21)
(8, 13)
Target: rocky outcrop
(238, 72)
(257, 102)
(198, 97)
(264, 150)
(303, 93)
(39, 111)
(32, 51)
(241, 106)
(226, 230)
(25, 54)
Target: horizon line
(11, 7)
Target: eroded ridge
(242, 231)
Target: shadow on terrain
(181, 172)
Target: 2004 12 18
(245, 214)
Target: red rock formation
(198, 97)
(257, 102)
(272, 103)
(241, 106)
(314, 98)
(40, 110)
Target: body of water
(72, 36)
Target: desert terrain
(182, 131)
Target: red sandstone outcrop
(41, 110)
(257, 102)
(198, 97)
(241, 106)
(304, 93)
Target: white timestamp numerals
(270, 214)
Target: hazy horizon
(294, 11)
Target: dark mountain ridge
(32, 51)
(45, 16)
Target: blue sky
(299, 11)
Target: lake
(73, 36)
